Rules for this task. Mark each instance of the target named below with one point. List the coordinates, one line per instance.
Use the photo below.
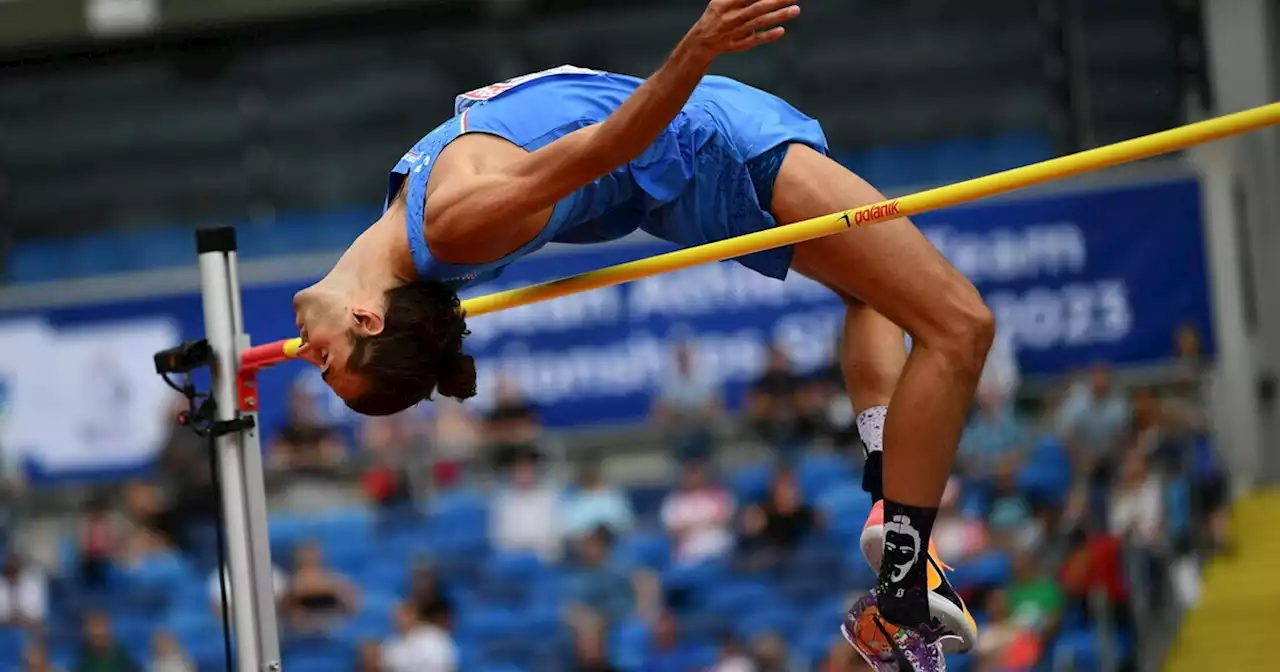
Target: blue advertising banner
(1104, 275)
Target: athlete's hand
(729, 26)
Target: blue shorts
(730, 191)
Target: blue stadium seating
(509, 605)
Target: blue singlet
(709, 175)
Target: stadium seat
(647, 549)
(821, 472)
(991, 570)
(12, 642)
(778, 619)
(844, 508)
(695, 578)
(737, 597)
(751, 483)
(485, 623)
(1046, 478)
(857, 573)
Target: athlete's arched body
(580, 156)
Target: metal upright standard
(239, 455)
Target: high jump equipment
(230, 414)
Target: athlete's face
(326, 329)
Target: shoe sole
(953, 618)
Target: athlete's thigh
(890, 265)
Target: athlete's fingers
(760, 8)
(773, 18)
(757, 38)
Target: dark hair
(418, 352)
(603, 534)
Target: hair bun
(457, 376)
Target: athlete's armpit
(482, 217)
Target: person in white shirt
(24, 594)
(1001, 375)
(1137, 504)
(420, 644)
(526, 515)
(697, 517)
(733, 658)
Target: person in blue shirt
(580, 156)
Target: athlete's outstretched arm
(536, 181)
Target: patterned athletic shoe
(959, 631)
(887, 647)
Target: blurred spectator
(994, 437)
(167, 655)
(148, 549)
(697, 516)
(99, 540)
(316, 597)
(426, 592)
(1136, 517)
(512, 427)
(687, 407)
(387, 444)
(733, 658)
(369, 656)
(1094, 424)
(1149, 422)
(771, 653)
(1001, 375)
(305, 444)
(838, 418)
(771, 401)
(810, 421)
(35, 658)
(1007, 645)
(958, 535)
(840, 657)
(596, 504)
(665, 652)
(100, 652)
(525, 514)
(1137, 503)
(1193, 371)
(420, 644)
(13, 487)
(1095, 566)
(156, 523)
(24, 593)
(1009, 519)
(1035, 600)
(598, 584)
(455, 439)
(1203, 465)
(184, 467)
(589, 651)
(279, 582)
(773, 528)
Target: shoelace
(929, 633)
(899, 656)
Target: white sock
(871, 427)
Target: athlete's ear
(368, 322)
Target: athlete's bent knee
(964, 332)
